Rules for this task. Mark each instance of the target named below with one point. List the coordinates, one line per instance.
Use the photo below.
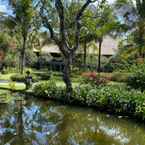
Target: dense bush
(120, 77)
(48, 89)
(18, 78)
(21, 78)
(137, 80)
(116, 64)
(116, 99)
(43, 75)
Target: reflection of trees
(12, 123)
(19, 123)
(50, 124)
(80, 128)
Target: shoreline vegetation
(108, 93)
(112, 99)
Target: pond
(41, 122)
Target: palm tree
(103, 23)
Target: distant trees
(132, 13)
(20, 23)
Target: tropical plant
(54, 18)
(101, 24)
(20, 23)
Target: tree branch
(78, 18)
(60, 10)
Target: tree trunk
(66, 77)
(99, 56)
(23, 55)
(85, 53)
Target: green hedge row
(116, 99)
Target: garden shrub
(21, 78)
(140, 110)
(120, 77)
(44, 76)
(112, 98)
(94, 79)
(137, 80)
(18, 78)
(115, 64)
(48, 89)
(80, 92)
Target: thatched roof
(109, 47)
(51, 48)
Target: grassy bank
(116, 99)
(12, 86)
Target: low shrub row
(22, 78)
(137, 79)
(116, 76)
(18, 78)
(115, 99)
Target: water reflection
(33, 122)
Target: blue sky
(4, 6)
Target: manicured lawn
(6, 76)
(13, 86)
(61, 83)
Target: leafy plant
(137, 80)
(18, 78)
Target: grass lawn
(61, 83)
(6, 76)
(13, 86)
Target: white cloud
(3, 8)
(111, 1)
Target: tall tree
(101, 24)
(60, 31)
(21, 23)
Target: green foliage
(120, 77)
(44, 76)
(24, 14)
(48, 89)
(30, 58)
(117, 64)
(131, 68)
(18, 78)
(4, 41)
(137, 80)
(114, 98)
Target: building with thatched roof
(109, 48)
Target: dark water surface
(39, 122)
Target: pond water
(39, 122)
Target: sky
(4, 8)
